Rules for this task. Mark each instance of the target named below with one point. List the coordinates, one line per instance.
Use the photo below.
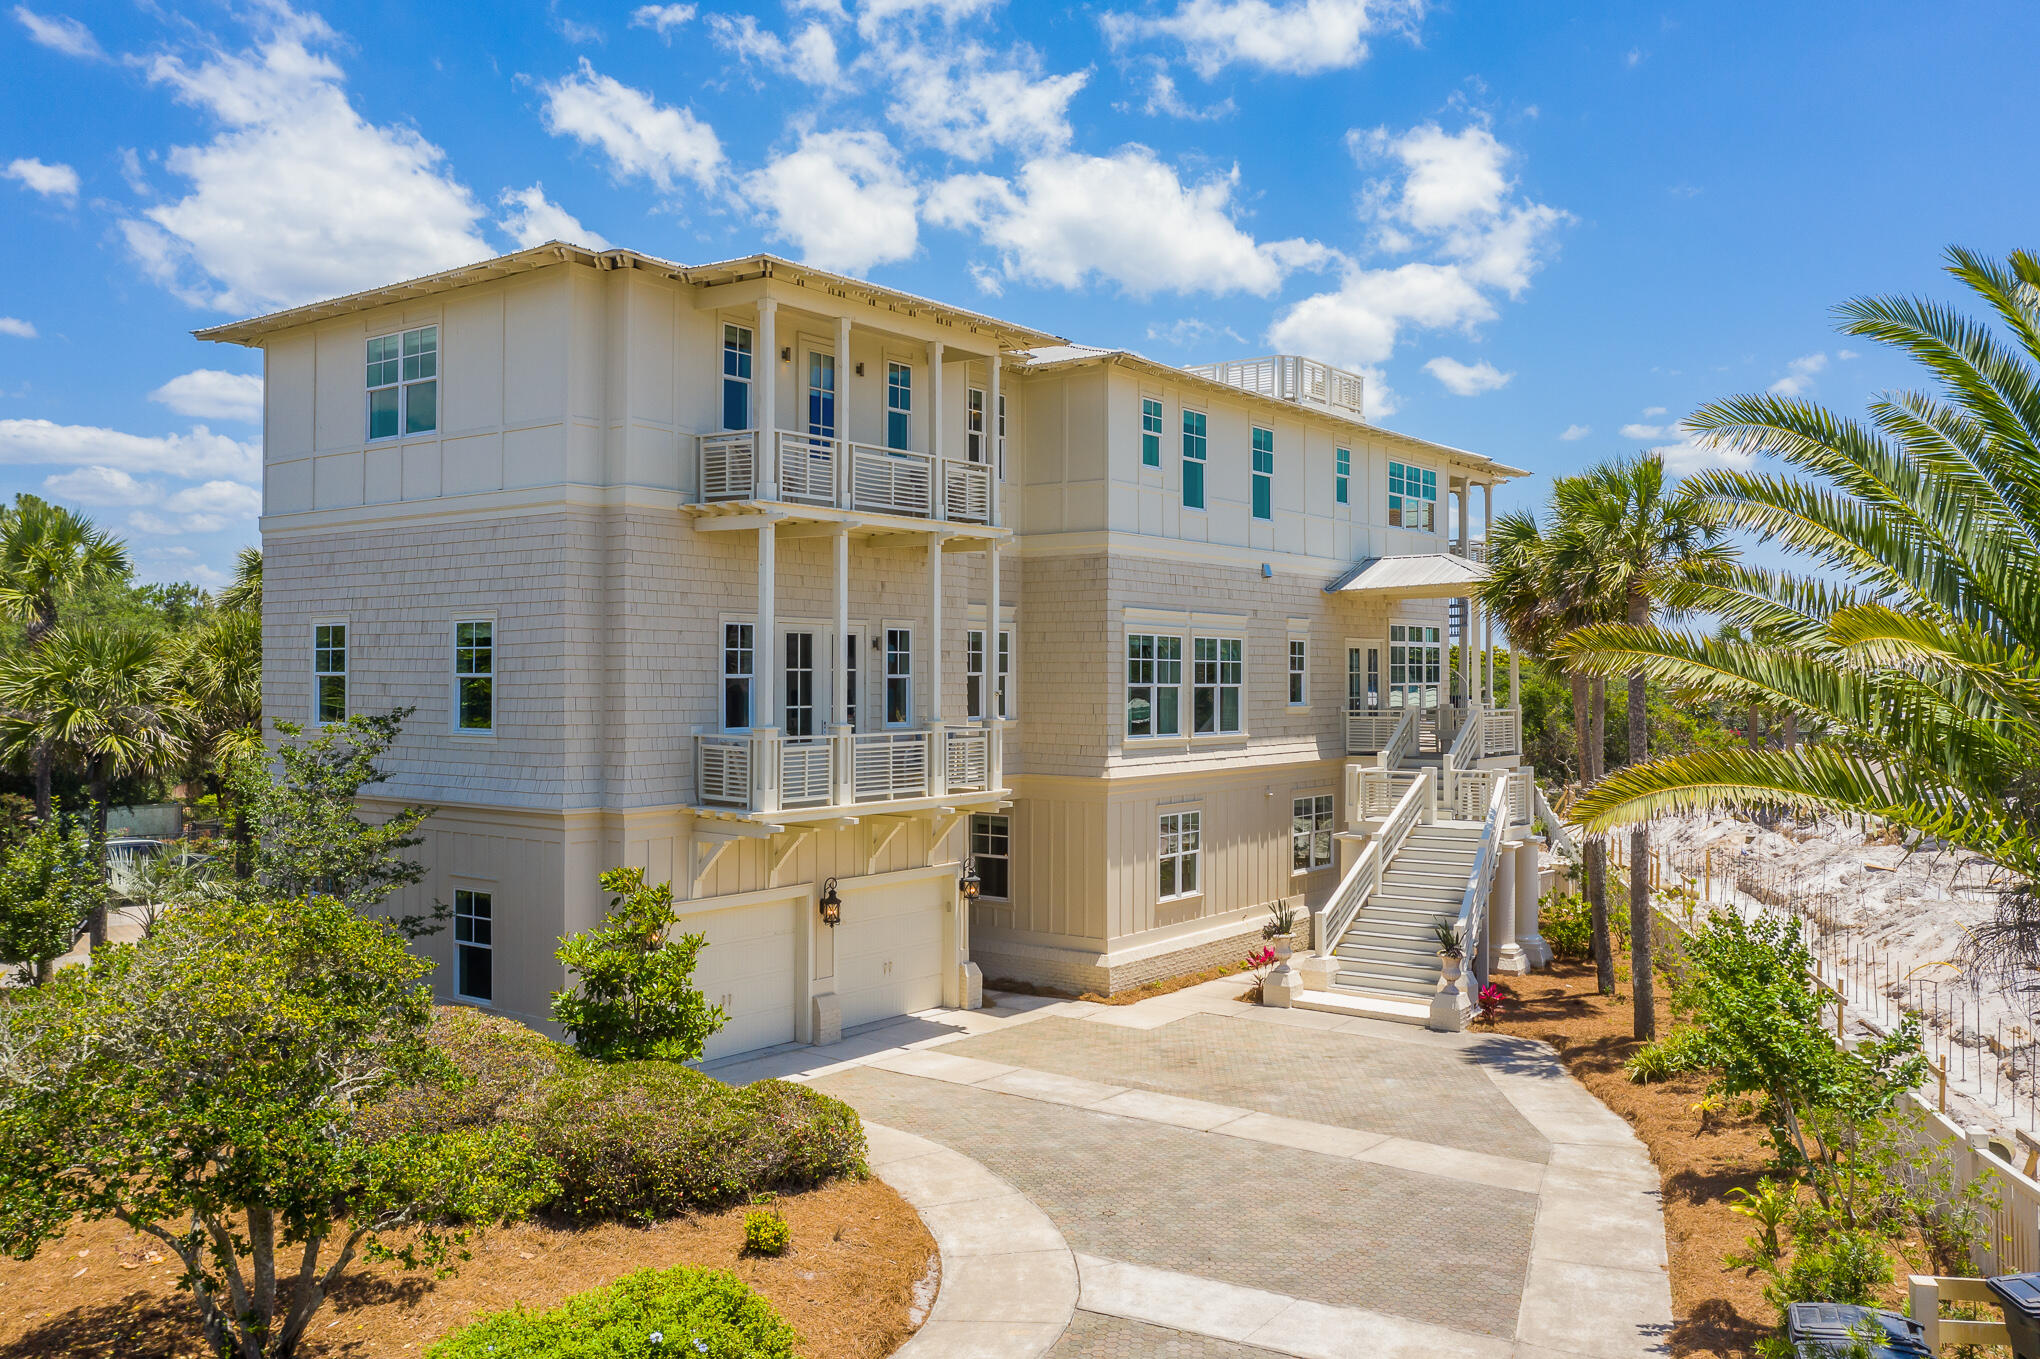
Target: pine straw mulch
(855, 1285)
(1131, 996)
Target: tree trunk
(1643, 986)
(1600, 742)
(1788, 730)
(41, 765)
(96, 921)
(1592, 855)
(1755, 720)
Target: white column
(1508, 953)
(935, 411)
(839, 670)
(844, 368)
(1487, 502)
(1516, 676)
(1466, 670)
(992, 454)
(767, 416)
(1529, 881)
(935, 703)
(764, 698)
(991, 631)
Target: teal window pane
(1264, 496)
(382, 413)
(1193, 484)
(1345, 460)
(1340, 491)
(421, 407)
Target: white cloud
(1467, 379)
(1450, 178)
(200, 453)
(18, 328)
(210, 394)
(1126, 218)
(533, 219)
(842, 198)
(1574, 433)
(1845, 354)
(961, 101)
(51, 181)
(1165, 101)
(1297, 37)
(206, 508)
(641, 138)
(1649, 411)
(875, 18)
(661, 19)
(1189, 330)
(578, 33)
(1359, 324)
(60, 34)
(1641, 431)
(1799, 375)
(298, 197)
(1689, 455)
(809, 56)
(98, 487)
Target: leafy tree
(311, 838)
(635, 996)
(202, 1087)
(50, 884)
(218, 670)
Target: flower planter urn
(1450, 1006)
(1284, 984)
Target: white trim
(1195, 857)
(490, 948)
(454, 728)
(345, 672)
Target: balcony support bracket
(883, 829)
(782, 849)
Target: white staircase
(1390, 950)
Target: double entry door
(806, 677)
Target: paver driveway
(1232, 1182)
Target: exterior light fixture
(968, 884)
(832, 905)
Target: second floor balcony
(768, 773)
(807, 469)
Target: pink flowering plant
(1260, 961)
(1490, 1000)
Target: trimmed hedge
(683, 1313)
(635, 1141)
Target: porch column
(842, 748)
(1466, 603)
(994, 455)
(1515, 676)
(844, 369)
(1529, 882)
(935, 414)
(1487, 504)
(994, 756)
(1506, 951)
(764, 675)
(767, 417)
(938, 749)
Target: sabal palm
(244, 592)
(218, 674)
(1925, 667)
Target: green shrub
(766, 1232)
(1567, 923)
(1683, 1049)
(683, 1313)
(634, 995)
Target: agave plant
(1917, 646)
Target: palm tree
(245, 593)
(102, 695)
(1923, 670)
(218, 670)
(47, 553)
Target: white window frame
(1398, 515)
(974, 424)
(904, 388)
(1000, 440)
(748, 378)
(1146, 674)
(463, 938)
(980, 851)
(1261, 482)
(974, 674)
(344, 673)
(1342, 476)
(1176, 828)
(1299, 670)
(459, 676)
(904, 674)
(734, 648)
(1151, 408)
(403, 384)
(1312, 824)
(1217, 683)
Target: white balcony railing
(814, 470)
(769, 772)
(1291, 377)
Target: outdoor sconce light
(968, 884)
(786, 353)
(860, 370)
(832, 905)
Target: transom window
(1343, 458)
(739, 665)
(1154, 684)
(1264, 473)
(974, 673)
(1412, 498)
(899, 676)
(991, 846)
(1299, 670)
(403, 383)
(474, 940)
(474, 674)
(1195, 445)
(329, 672)
(1179, 854)
(736, 382)
(1150, 432)
(1310, 832)
(1215, 685)
(899, 405)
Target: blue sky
(1544, 235)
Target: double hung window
(1344, 475)
(1412, 498)
(1150, 432)
(1194, 449)
(821, 395)
(1215, 685)
(736, 381)
(1310, 832)
(474, 674)
(1179, 854)
(899, 676)
(899, 406)
(475, 944)
(739, 665)
(991, 846)
(1264, 473)
(974, 673)
(974, 425)
(1299, 670)
(1154, 684)
(329, 672)
(403, 383)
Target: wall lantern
(968, 884)
(832, 905)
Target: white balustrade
(1449, 1009)
(878, 480)
(969, 764)
(1502, 731)
(729, 465)
(1401, 740)
(966, 491)
(804, 772)
(807, 468)
(722, 770)
(891, 482)
(1368, 730)
(731, 768)
(1291, 377)
(1335, 917)
(887, 765)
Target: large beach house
(804, 593)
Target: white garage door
(747, 969)
(889, 950)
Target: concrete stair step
(1408, 987)
(1356, 1004)
(1414, 973)
(1410, 952)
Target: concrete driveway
(1192, 1176)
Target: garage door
(747, 969)
(889, 950)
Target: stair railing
(1335, 917)
(1480, 881)
(1400, 741)
(1554, 825)
(1464, 755)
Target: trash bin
(2018, 1297)
(1819, 1330)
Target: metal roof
(1430, 575)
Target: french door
(804, 686)
(1416, 665)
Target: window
(1363, 680)
(1154, 679)
(738, 666)
(403, 383)
(821, 395)
(899, 405)
(974, 425)
(799, 712)
(899, 676)
(1412, 498)
(474, 674)
(1150, 432)
(850, 680)
(474, 968)
(990, 845)
(329, 672)
(1002, 436)
(1344, 459)
(1264, 473)
(1299, 671)
(1176, 865)
(1193, 460)
(974, 673)
(1310, 833)
(1215, 685)
(736, 377)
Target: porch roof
(1428, 575)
